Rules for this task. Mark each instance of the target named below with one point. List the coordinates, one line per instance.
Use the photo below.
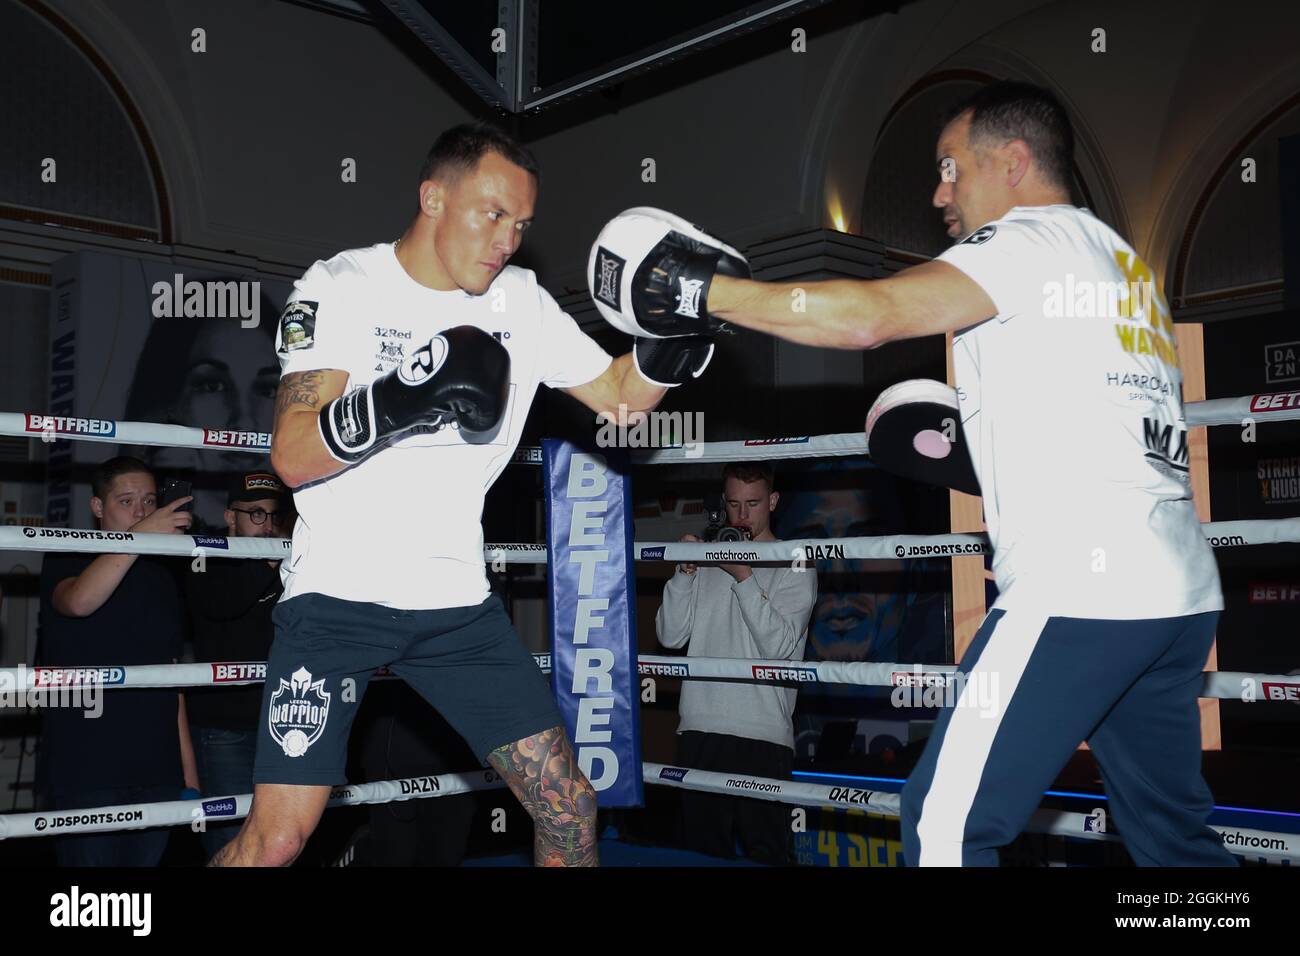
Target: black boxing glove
(462, 375)
(671, 362)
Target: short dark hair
(106, 472)
(1007, 110)
(748, 471)
(458, 150)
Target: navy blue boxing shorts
(468, 662)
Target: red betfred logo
(1278, 690)
(1274, 593)
(1274, 401)
(225, 673)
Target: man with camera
(738, 611)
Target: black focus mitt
(914, 431)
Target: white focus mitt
(649, 273)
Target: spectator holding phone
(115, 609)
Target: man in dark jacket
(112, 610)
(230, 603)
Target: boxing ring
(1266, 846)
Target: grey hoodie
(764, 617)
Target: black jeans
(225, 765)
(714, 824)
(120, 848)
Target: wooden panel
(967, 513)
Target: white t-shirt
(1071, 402)
(402, 528)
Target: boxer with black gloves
(408, 369)
(461, 376)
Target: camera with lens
(719, 530)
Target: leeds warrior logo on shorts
(298, 325)
(609, 277)
(299, 709)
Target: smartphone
(173, 489)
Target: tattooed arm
(298, 453)
(542, 772)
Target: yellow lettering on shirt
(1148, 297)
(1126, 336)
(1140, 341)
(1144, 301)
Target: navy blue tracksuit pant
(1127, 687)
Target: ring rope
(139, 816)
(1224, 685)
(1282, 406)
(1220, 534)
(1261, 407)
(1276, 847)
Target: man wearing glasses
(230, 603)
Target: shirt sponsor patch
(298, 325)
(980, 235)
